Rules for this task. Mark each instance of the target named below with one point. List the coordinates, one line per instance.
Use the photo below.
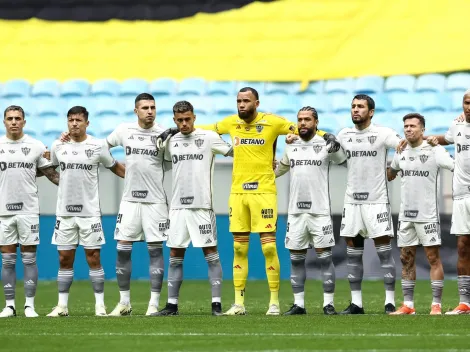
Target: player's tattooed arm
(391, 173)
(51, 173)
(407, 257)
(118, 169)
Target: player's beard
(247, 114)
(308, 134)
(359, 121)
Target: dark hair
(249, 89)
(312, 110)
(144, 96)
(415, 115)
(78, 110)
(13, 108)
(370, 101)
(182, 106)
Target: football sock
(325, 259)
(9, 277)
(156, 271)
(408, 289)
(123, 271)
(463, 283)
(64, 281)
(30, 269)
(215, 275)
(97, 282)
(437, 286)
(298, 274)
(387, 263)
(175, 279)
(355, 273)
(268, 245)
(240, 267)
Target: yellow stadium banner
(290, 40)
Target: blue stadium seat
(127, 105)
(458, 82)
(88, 103)
(75, 88)
(93, 129)
(226, 106)
(49, 107)
(216, 88)
(341, 103)
(164, 106)
(166, 120)
(258, 86)
(436, 119)
(391, 120)
(328, 123)
(192, 87)
(434, 102)
(53, 128)
(33, 127)
(382, 104)
(320, 102)
(335, 86)
(456, 101)
(26, 103)
(430, 83)
(105, 107)
(107, 125)
(105, 88)
(118, 153)
(201, 105)
(16, 88)
(399, 83)
(369, 85)
(45, 88)
(283, 105)
(281, 88)
(404, 102)
(163, 87)
(316, 87)
(133, 87)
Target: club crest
(25, 150)
(317, 148)
(199, 142)
(153, 139)
(89, 153)
(372, 139)
(423, 158)
(259, 128)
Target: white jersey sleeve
(443, 158)
(283, 166)
(54, 160)
(392, 138)
(449, 136)
(42, 162)
(105, 157)
(395, 165)
(219, 146)
(459, 135)
(115, 138)
(338, 157)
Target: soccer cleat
(273, 310)
(100, 310)
(436, 309)
(236, 309)
(29, 312)
(389, 308)
(460, 309)
(353, 309)
(8, 312)
(59, 311)
(404, 310)
(121, 310)
(217, 309)
(329, 309)
(296, 310)
(170, 309)
(152, 309)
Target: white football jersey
(459, 134)
(78, 162)
(144, 165)
(19, 161)
(192, 158)
(419, 171)
(309, 164)
(366, 153)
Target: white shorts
(416, 233)
(367, 220)
(22, 229)
(71, 231)
(305, 230)
(141, 222)
(192, 225)
(461, 217)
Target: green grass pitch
(196, 330)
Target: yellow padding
(280, 41)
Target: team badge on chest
(199, 142)
(423, 158)
(259, 128)
(25, 150)
(317, 148)
(372, 139)
(89, 153)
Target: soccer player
(419, 165)
(366, 212)
(192, 219)
(309, 219)
(459, 134)
(21, 157)
(78, 206)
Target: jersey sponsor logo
(304, 205)
(248, 141)
(361, 196)
(250, 186)
(359, 140)
(259, 128)
(317, 148)
(25, 150)
(382, 217)
(75, 208)
(141, 151)
(96, 227)
(411, 213)
(430, 228)
(186, 144)
(416, 173)
(74, 166)
(14, 206)
(360, 153)
(462, 147)
(199, 142)
(247, 129)
(423, 158)
(183, 157)
(304, 163)
(372, 139)
(15, 165)
(89, 153)
(267, 213)
(140, 194)
(327, 230)
(186, 200)
(205, 229)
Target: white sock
(154, 299)
(63, 299)
(173, 300)
(216, 299)
(299, 299)
(328, 298)
(389, 297)
(434, 303)
(10, 302)
(125, 297)
(99, 298)
(29, 302)
(409, 304)
(356, 298)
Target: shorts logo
(96, 227)
(267, 213)
(77, 208)
(382, 217)
(268, 226)
(423, 158)
(259, 128)
(327, 230)
(89, 153)
(25, 150)
(317, 148)
(361, 196)
(186, 200)
(14, 206)
(250, 186)
(372, 139)
(140, 194)
(304, 205)
(411, 213)
(153, 139)
(35, 229)
(163, 226)
(430, 228)
(331, 241)
(432, 240)
(287, 240)
(199, 142)
(205, 230)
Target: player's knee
(240, 249)
(463, 247)
(433, 258)
(406, 259)
(66, 261)
(93, 257)
(269, 249)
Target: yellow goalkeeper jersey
(253, 149)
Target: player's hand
(332, 144)
(47, 154)
(164, 136)
(390, 175)
(460, 118)
(290, 138)
(432, 140)
(65, 137)
(275, 163)
(401, 146)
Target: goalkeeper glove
(332, 144)
(164, 136)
